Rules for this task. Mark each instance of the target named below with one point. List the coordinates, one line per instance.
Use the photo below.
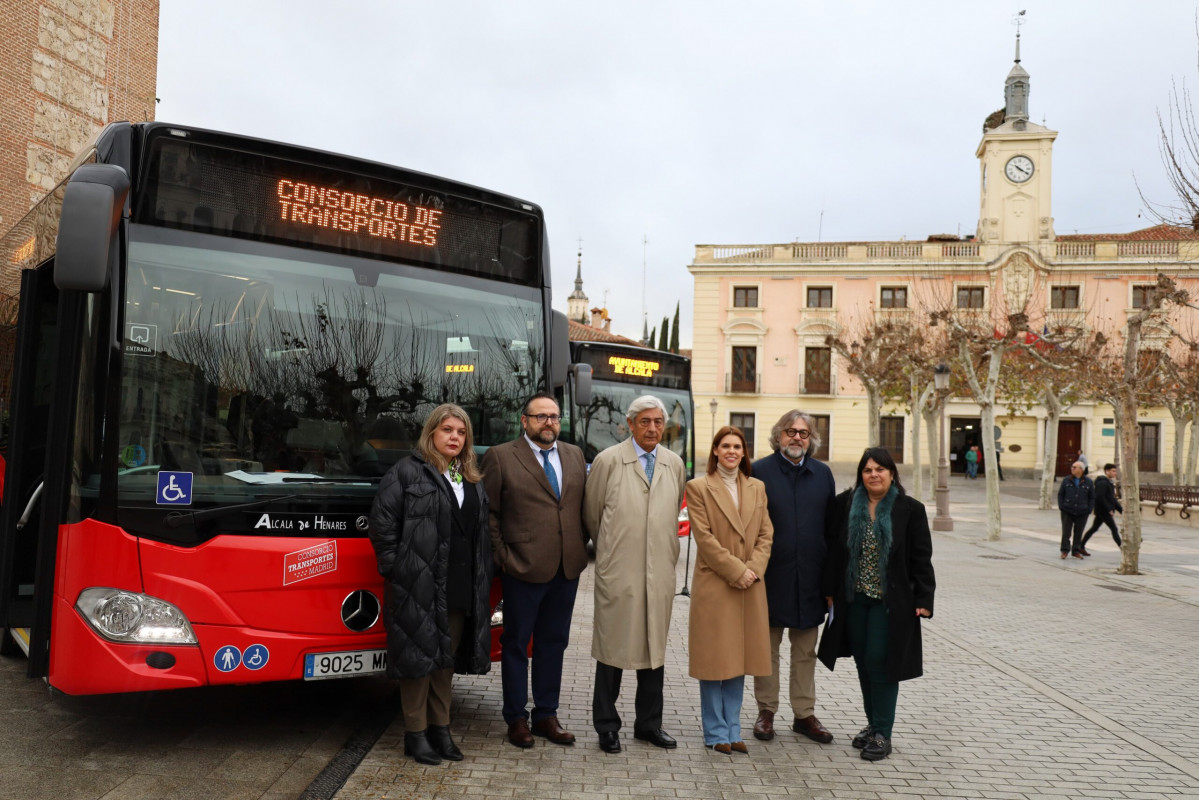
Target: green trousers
(868, 641)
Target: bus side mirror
(581, 374)
(91, 210)
(559, 350)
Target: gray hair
(787, 420)
(644, 403)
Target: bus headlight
(121, 616)
(497, 615)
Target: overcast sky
(695, 122)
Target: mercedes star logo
(360, 610)
(361, 523)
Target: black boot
(417, 745)
(439, 738)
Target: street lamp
(942, 522)
(712, 407)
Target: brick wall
(67, 68)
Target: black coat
(1076, 499)
(1105, 497)
(910, 585)
(796, 499)
(410, 524)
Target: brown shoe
(811, 728)
(764, 727)
(739, 747)
(519, 733)
(723, 747)
(550, 729)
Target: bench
(1185, 496)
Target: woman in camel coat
(729, 631)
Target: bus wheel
(8, 646)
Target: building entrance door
(1069, 442)
(964, 433)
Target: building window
(818, 370)
(745, 296)
(745, 370)
(1063, 297)
(894, 297)
(822, 430)
(1142, 295)
(971, 296)
(890, 436)
(1149, 437)
(746, 423)
(820, 297)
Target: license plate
(320, 666)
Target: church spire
(1015, 90)
(576, 303)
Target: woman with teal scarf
(879, 582)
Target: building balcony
(742, 384)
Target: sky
(647, 128)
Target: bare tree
(874, 352)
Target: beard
(544, 436)
(795, 452)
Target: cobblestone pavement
(1043, 679)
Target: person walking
(631, 508)
(798, 491)
(1105, 504)
(972, 462)
(428, 526)
(729, 632)
(535, 488)
(1075, 499)
(879, 583)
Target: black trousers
(648, 702)
(1072, 525)
(1102, 518)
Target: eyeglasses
(544, 418)
(797, 433)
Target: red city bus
(216, 346)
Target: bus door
(27, 548)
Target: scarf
(859, 518)
(729, 476)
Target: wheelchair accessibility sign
(174, 489)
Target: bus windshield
(602, 423)
(258, 367)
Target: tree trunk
(1130, 480)
(917, 461)
(994, 522)
(1181, 418)
(874, 406)
(1049, 463)
(1193, 450)
(932, 421)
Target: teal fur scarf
(859, 518)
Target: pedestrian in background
(428, 526)
(631, 510)
(1075, 499)
(879, 582)
(1105, 504)
(535, 488)
(729, 632)
(972, 462)
(798, 491)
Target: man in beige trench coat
(631, 509)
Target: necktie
(649, 467)
(549, 473)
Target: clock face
(1018, 169)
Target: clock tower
(1015, 167)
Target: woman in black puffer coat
(428, 526)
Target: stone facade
(67, 68)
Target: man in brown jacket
(535, 487)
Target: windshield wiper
(177, 519)
(345, 481)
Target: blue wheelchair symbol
(256, 656)
(227, 658)
(174, 489)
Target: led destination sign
(194, 185)
(633, 366)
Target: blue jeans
(972, 469)
(720, 708)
